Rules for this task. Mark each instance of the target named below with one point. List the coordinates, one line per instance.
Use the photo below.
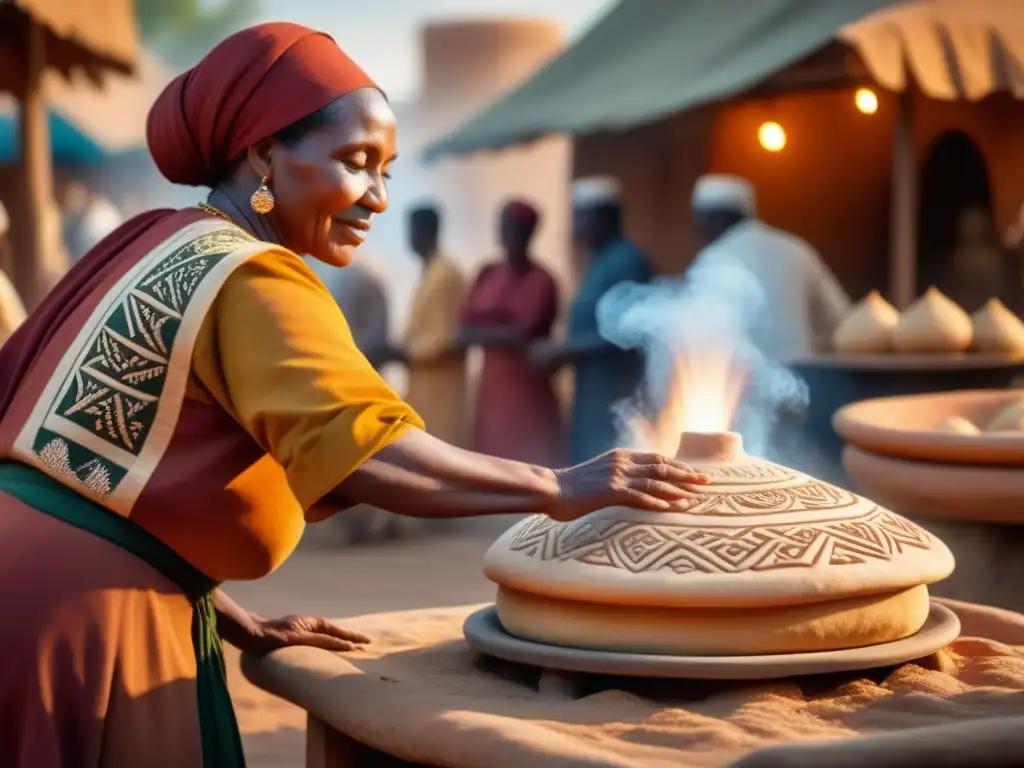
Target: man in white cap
(803, 301)
(12, 310)
(605, 373)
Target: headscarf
(522, 211)
(249, 87)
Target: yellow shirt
(276, 353)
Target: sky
(381, 35)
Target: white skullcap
(595, 190)
(718, 191)
(5, 220)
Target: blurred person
(235, 409)
(88, 218)
(803, 300)
(12, 310)
(435, 361)
(1014, 242)
(978, 268)
(605, 375)
(512, 303)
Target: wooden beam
(903, 216)
(31, 256)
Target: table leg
(328, 748)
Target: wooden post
(31, 257)
(903, 216)
(326, 748)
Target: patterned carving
(114, 389)
(763, 473)
(812, 495)
(685, 549)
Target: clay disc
(485, 635)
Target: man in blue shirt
(605, 374)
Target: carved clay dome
(868, 329)
(770, 561)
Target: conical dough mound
(868, 329)
(933, 324)
(958, 425)
(997, 329)
(1009, 419)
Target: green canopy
(650, 58)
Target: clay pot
(769, 561)
(933, 324)
(868, 329)
(907, 427)
(923, 489)
(997, 329)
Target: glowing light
(866, 101)
(772, 136)
(706, 386)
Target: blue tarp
(70, 145)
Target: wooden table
(423, 699)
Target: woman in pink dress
(513, 303)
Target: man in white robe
(802, 301)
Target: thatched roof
(91, 35)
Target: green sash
(222, 743)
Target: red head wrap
(523, 211)
(249, 87)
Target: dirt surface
(438, 568)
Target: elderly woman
(189, 396)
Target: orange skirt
(98, 664)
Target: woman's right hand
(626, 478)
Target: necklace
(214, 211)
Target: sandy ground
(439, 568)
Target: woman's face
(329, 186)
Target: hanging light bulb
(772, 136)
(866, 101)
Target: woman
(189, 395)
(513, 303)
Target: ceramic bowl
(904, 427)
(918, 489)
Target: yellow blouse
(276, 353)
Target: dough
(958, 425)
(868, 329)
(828, 626)
(997, 329)
(933, 324)
(1009, 419)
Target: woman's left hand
(313, 631)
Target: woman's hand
(300, 630)
(249, 632)
(628, 479)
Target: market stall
(91, 36)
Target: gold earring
(262, 200)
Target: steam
(705, 338)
